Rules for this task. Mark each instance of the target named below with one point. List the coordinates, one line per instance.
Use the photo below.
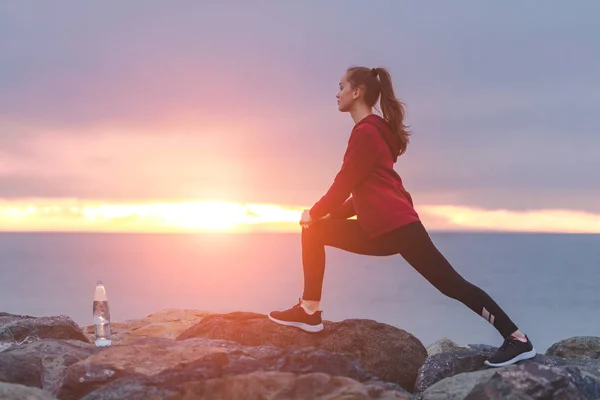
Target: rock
(265, 385)
(392, 354)
(11, 391)
(537, 381)
(53, 357)
(19, 369)
(578, 347)
(450, 363)
(443, 345)
(168, 323)
(165, 363)
(25, 329)
(470, 359)
(5, 345)
(526, 381)
(189, 354)
(456, 387)
(552, 361)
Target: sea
(547, 283)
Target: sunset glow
(562, 221)
(78, 215)
(96, 216)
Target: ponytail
(392, 108)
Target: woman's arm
(345, 211)
(361, 156)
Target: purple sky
(152, 100)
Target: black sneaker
(512, 350)
(297, 317)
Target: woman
(367, 186)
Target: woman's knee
(314, 232)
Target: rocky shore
(188, 354)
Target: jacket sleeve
(361, 155)
(345, 211)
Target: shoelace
(295, 307)
(508, 342)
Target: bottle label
(101, 320)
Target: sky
(109, 104)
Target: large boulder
(51, 357)
(470, 358)
(577, 347)
(168, 323)
(391, 354)
(569, 369)
(24, 328)
(267, 385)
(13, 391)
(449, 363)
(20, 369)
(443, 345)
(525, 381)
(166, 364)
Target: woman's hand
(306, 220)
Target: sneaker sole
(523, 356)
(300, 325)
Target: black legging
(413, 243)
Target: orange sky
(132, 119)
(201, 176)
(79, 215)
(216, 181)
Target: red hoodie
(378, 198)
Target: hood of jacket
(384, 130)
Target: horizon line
(151, 216)
(275, 232)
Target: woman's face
(346, 96)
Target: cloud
(546, 220)
(239, 164)
(132, 62)
(144, 100)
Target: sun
(203, 216)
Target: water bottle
(101, 316)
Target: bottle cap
(100, 294)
